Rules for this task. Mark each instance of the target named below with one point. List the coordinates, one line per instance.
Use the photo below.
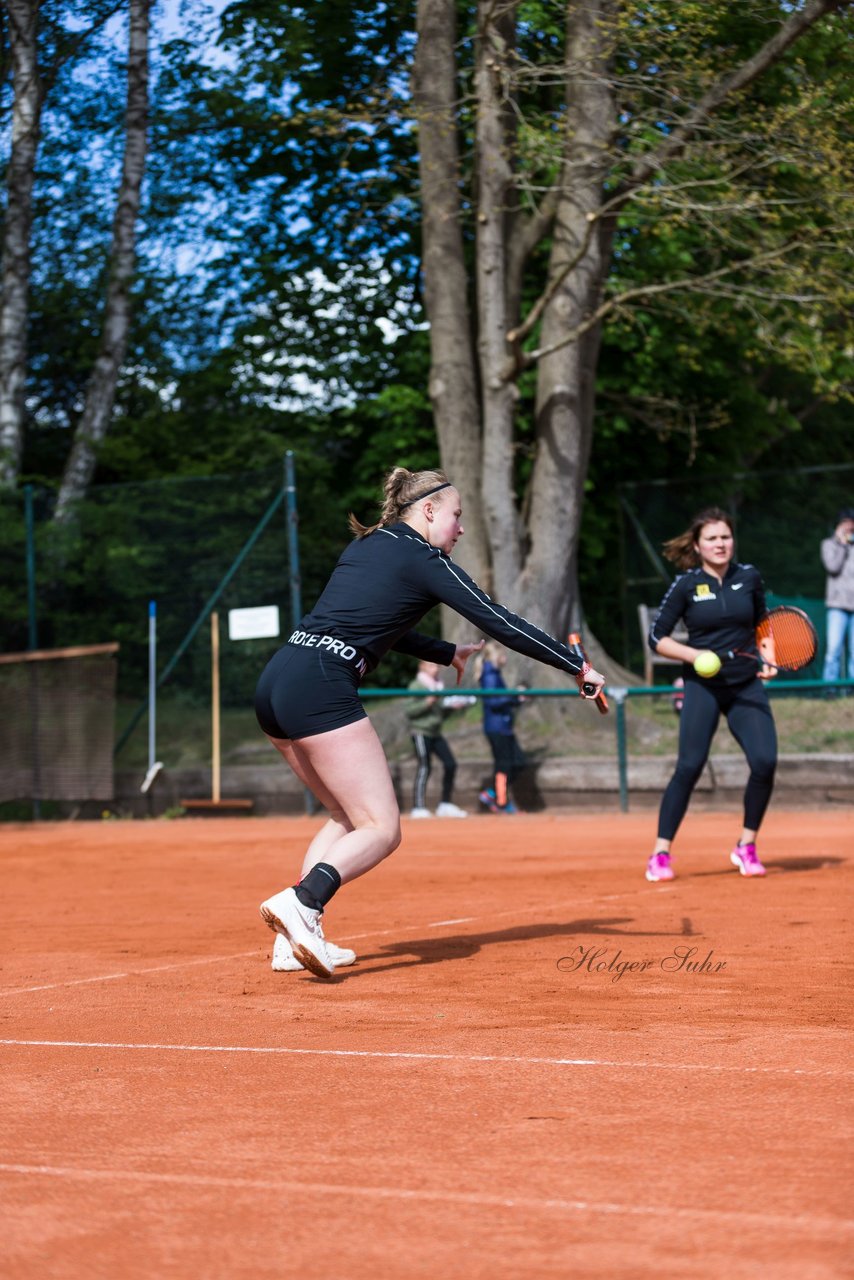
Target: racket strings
(793, 638)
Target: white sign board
(253, 624)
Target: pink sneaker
(745, 857)
(659, 868)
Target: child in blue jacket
(499, 712)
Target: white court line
(242, 955)
(111, 977)
(803, 1222)
(551, 909)
(514, 1059)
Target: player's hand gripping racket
(574, 643)
(788, 634)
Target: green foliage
(278, 306)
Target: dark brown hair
(401, 490)
(681, 550)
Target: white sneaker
(284, 960)
(285, 914)
(448, 810)
(420, 813)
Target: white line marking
(242, 955)
(437, 924)
(518, 1060)
(479, 1200)
(612, 897)
(72, 982)
(542, 911)
(111, 977)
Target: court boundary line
(508, 1059)
(244, 955)
(473, 1199)
(129, 973)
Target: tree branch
(800, 21)
(520, 333)
(74, 42)
(643, 291)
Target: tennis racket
(792, 636)
(574, 643)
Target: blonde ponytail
(401, 489)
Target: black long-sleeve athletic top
(385, 582)
(718, 616)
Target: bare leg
(348, 772)
(336, 825)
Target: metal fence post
(32, 644)
(33, 636)
(292, 519)
(620, 697)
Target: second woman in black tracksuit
(720, 603)
(307, 700)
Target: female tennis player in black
(307, 700)
(721, 602)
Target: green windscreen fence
(57, 712)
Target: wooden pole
(215, 789)
(216, 804)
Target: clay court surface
(487, 1093)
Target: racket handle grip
(601, 701)
(574, 642)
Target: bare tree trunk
(494, 192)
(101, 389)
(26, 118)
(533, 555)
(566, 378)
(453, 377)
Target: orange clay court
(522, 1075)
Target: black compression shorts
(308, 690)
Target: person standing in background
(425, 716)
(499, 713)
(837, 556)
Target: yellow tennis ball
(707, 663)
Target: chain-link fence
(193, 544)
(188, 544)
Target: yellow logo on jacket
(704, 592)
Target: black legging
(750, 721)
(427, 745)
(509, 760)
